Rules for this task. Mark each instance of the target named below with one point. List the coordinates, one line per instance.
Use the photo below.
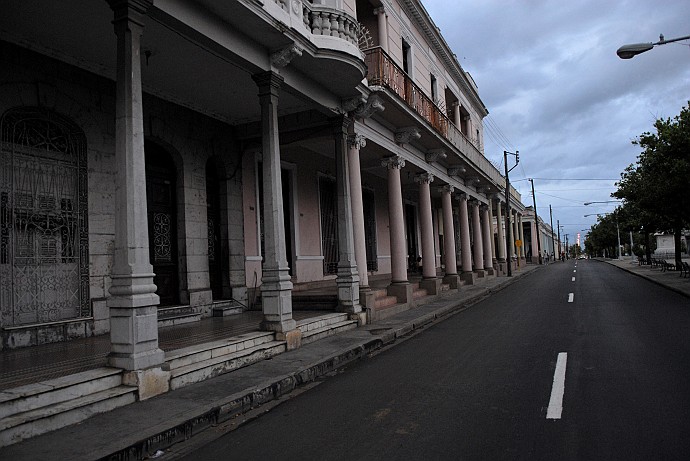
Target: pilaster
(276, 287)
(347, 278)
(133, 300)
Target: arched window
(44, 236)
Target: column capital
(484, 207)
(356, 141)
(460, 196)
(380, 10)
(340, 125)
(424, 178)
(268, 82)
(446, 188)
(393, 162)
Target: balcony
(382, 71)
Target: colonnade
(133, 301)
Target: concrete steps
(35, 409)
(320, 327)
(198, 363)
(382, 299)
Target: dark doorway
(162, 220)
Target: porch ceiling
(176, 65)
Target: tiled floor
(40, 363)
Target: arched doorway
(162, 220)
(44, 235)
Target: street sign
(518, 243)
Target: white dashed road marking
(571, 297)
(555, 408)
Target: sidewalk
(669, 279)
(139, 430)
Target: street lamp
(617, 230)
(628, 51)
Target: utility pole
(553, 245)
(508, 224)
(536, 221)
(558, 227)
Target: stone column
(427, 226)
(397, 222)
(456, 114)
(491, 229)
(133, 301)
(521, 236)
(488, 238)
(381, 16)
(501, 236)
(477, 238)
(449, 251)
(276, 287)
(347, 278)
(465, 248)
(354, 143)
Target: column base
(432, 286)
(452, 280)
(366, 297)
(470, 278)
(150, 382)
(480, 273)
(402, 291)
(293, 338)
(133, 336)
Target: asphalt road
(484, 384)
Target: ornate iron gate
(44, 236)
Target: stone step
(38, 421)
(193, 354)
(387, 311)
(214, 366)
(32, 396)
(321, 321)
(177, 315)
(320, 327)
(384, 301)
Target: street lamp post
(633, 49)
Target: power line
(577, 179)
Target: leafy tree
(655, 188)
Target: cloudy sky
(557, 92)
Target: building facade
(169, 156)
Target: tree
(656, 186)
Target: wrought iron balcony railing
(383, 71)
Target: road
(484, 384)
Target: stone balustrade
(322, 20)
